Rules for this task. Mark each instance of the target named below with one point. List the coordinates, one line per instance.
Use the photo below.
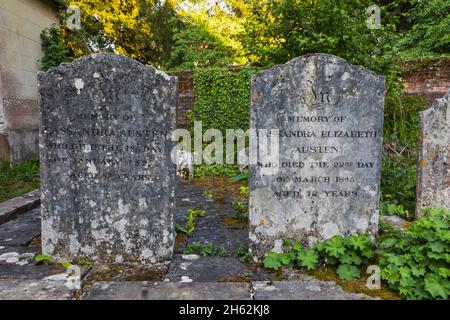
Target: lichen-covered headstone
(326, 180)
(433, 167)
(106, 171)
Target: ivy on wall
(222, 98)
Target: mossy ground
(354, 286)
(18, 179)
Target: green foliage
(345, 253)
(398, 185)
(222, 98)
(194, 47)
(244, 191)
(42, 258)
(66, 264)
(190, 218)
(205, 250)
(240, 208)
(391, 209)
(416, 263)
(272, 261)
(18, 179)
(208, 193)
(401, 123)
(348, 272)
(307, 258)
(427, 26)
(243, 176)
(215, 170)
(141, 29)
(278, 31)
(244, 255)
(55, 50)
(83, 263)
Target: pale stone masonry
(21, 23)
(433, 166)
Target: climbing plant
(222, 98)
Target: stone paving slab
(30, 271)
(34, 290)
(21, 230)
(230, 239)
(167, 291)
(303, 290)
(11, 208)
(205, 269)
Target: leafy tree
(194, 47)
(140, 29)
(55, 50)
(296, 27)
(427, 31)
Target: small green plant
(244, 191)
(416, 263)
(55, 50)
(398, 184)
(66, 264)
(215, 170)
(205, 250)
(344, 253)
(208, 193)
(240, 208)
(243, 176)
(190, 225)
(390, 209)
(272, 260)
(244, 255)
(19, 178)
(42, 259)
(83, 263)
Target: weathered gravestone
(433, 167)
(329, 117)
(107, 176)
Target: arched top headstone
(325, 180)
(107, 176)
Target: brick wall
(186, 96)
(430, 79)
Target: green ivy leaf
(307, 258)
(348, 272)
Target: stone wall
(430, 79)
(21, 23)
